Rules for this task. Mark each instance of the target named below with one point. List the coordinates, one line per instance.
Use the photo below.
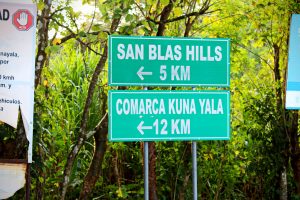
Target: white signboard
(293, 77)
(17, 53)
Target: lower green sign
(169, 115)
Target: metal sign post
(195, 176)
(146, 171)
(169, 115)
(146, 168)
(194, 169)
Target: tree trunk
(281, 173)
(185, 162)
(83, 135)
(165, 14)
(295, 150)
(152, 153)
(164, 17)
(277, 77)
(283, 185)
(93, 174)
(152, 172)
(83, 132)
(43, 24)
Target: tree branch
(85, 116)
(164, 17)
(254, 54)
(73, 35)
(192, 14)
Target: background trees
(73, 158)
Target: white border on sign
(292, 100)
(167, 84)
(111, 92)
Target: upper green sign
(167, 61)
(168, 116)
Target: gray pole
(146, 173)
(146, 168)
(194, 155)
(194, 163)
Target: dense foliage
(258, 162)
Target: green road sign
(166, 61)
(168, 115)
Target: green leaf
(96, 27)
(178, 11)
(141, 32)
(40, 5)
(81, 34)
(120, 193)
(164, 2)
(129, 18)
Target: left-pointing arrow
(141, 73)
(141, 128)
